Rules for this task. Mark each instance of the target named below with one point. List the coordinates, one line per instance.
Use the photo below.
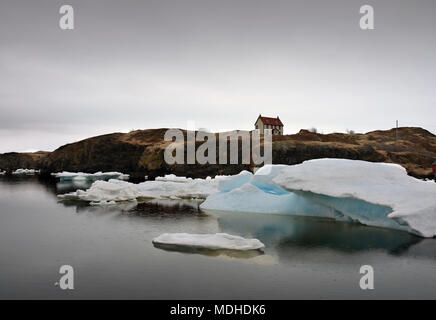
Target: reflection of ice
(172, 203)
(217, 253)
(66, 186)
(424, 249)
(123, 206)
(114, 207)
(259, 259)
(287, 232)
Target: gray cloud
(148, 64)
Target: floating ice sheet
(25, 172)
(374, 194)
(217, 241)
(168, 187)
(81, 176)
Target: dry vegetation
(140, 152)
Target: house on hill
(274, 124)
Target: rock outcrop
(141, 152)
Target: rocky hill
(14, 160)
(141, 153)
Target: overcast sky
(150, 64)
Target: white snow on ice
(25, 172)
(81, 176)
(168, 187)
(216, 241)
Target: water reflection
(83, 206)
(166, 208)
(115, 258)
(284, 234)
(71, 186)
(171, 203)
(211, 253)
(290, 232)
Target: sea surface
(112, 255)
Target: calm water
(113, 257)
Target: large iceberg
(28, 172)
(252, 199)
(374, 194)
(217, 241)
(367, 192)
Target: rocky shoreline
(139, 153)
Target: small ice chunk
(168, 187)
(103, 203)
(25, 172)
(81, 176)
(217, 241)
(105, 191)
(173, 178)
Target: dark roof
(271, 121)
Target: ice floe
(168, 187)
(373, 194)
(25, 172)
(249, 198)
(217, 241)
(103, 192)
(81, 176)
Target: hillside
(14, 160)
(140, 153)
